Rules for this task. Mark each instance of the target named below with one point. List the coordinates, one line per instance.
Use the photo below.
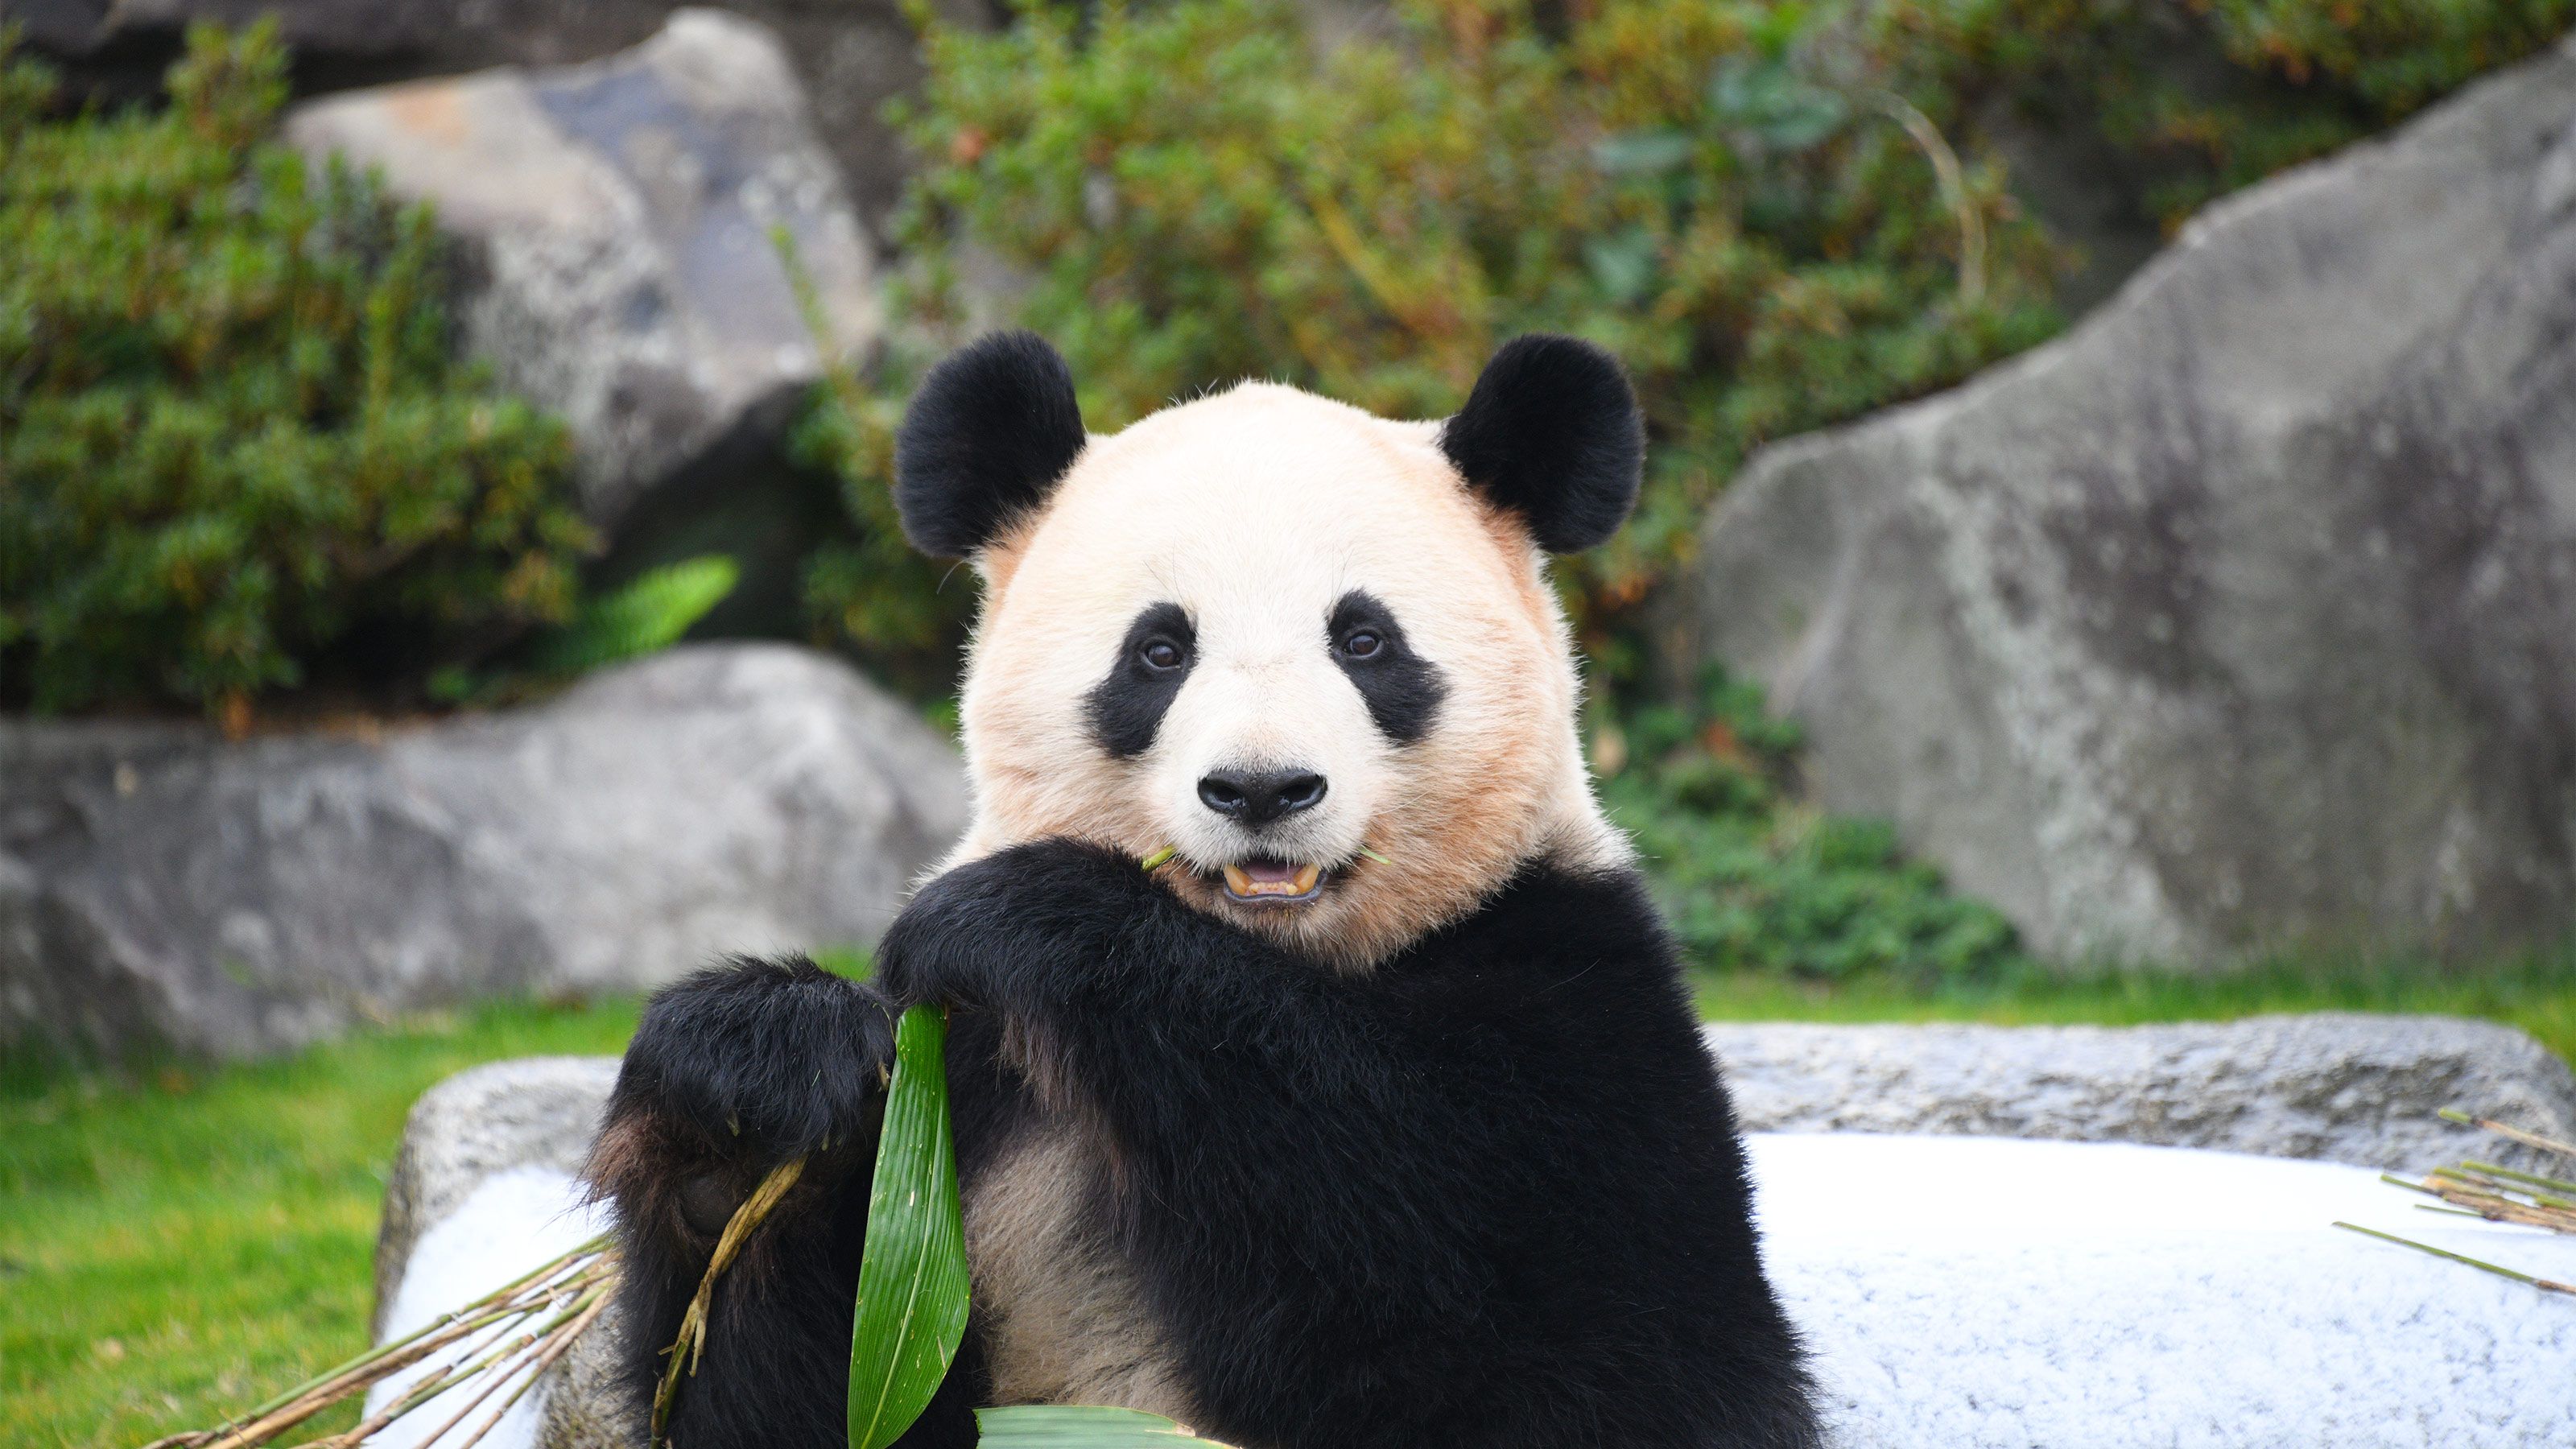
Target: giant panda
(1374, 1115)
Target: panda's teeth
(1275, 883)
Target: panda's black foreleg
(733, 1071)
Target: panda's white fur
(1255, 509)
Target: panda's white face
(1281, 639)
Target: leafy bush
(1755, 880)
(1780, 214)
(2196, 99)
(1199, 192)
(233, 448)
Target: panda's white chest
(1062, 1316)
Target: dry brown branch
(686, 1349)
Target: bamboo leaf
(912, 1271)
(1054, 1426)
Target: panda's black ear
(984, 441)
(1552, 432)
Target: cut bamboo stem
(2546, 1285)
(556, 1347)
(2547, 1184)
(686, 1349)
(2526, 1138)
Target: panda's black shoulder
(1598, 919)
(1581, 957)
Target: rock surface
(159, 885)
(2028, 1294)
(617, 220)
(851, 55)
(531, 1112)
(2242, 618)
(2363, 1090)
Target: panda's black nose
(1260, 798)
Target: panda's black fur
(1488, 1192)
(988, 433)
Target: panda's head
(1312, 652)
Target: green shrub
(1199, 192)
(233, 449)
(2199, 98)
(1781, 214)
(1753, 880)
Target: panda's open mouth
(1273, 883)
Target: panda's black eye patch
(1128, 705)
(1402, 689)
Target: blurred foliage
(647, 614)
(1780, 214)
(233, 447)
(2194, 97)
(1755, 880)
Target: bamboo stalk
(2505, 1210)
(2526, 1138)
(332, 1390)
(499, 1364)
(573, 1273)
(2547, 1285)
(556, 1348)
(2550, 1184)
(542, 1270)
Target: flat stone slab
(2345, 1087)
(1959, 1289)
(1962, 1291)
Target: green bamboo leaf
(912, 1270)
(1057, 1426)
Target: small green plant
(646, 615)
(1755, 880)
(234, 451)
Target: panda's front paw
(983, 934)
(733, 1071)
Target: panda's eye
(1161, 654)
(1362, 644)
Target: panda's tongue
(1255, 879)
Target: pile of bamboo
(2497, 1193)
(506, 1339)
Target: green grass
(180, 1243)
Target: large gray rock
(2364, 1090)
(161, 885)
(617, 220)
(851, 55)
(2243, 617)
